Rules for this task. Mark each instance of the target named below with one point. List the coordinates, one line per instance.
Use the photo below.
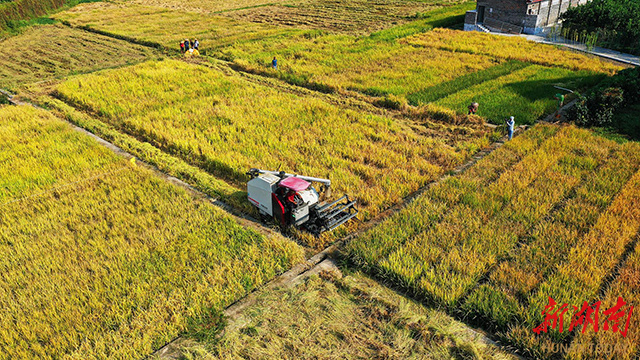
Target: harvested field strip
(524, 93)
(208, 6)
(228, 125)
(627, 286)
(348, 316)
(28, 58)
(508, 48)
(13, 11)
(446, 260)
(375, 245)
(117, 266)
(504, 298)
(156, 25)
(357, 17)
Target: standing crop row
(376, 244)
(588, 264)
(613, 344)
(503, 299)
(496, 241)
(226, 125)
(450, 256)
(103, 259)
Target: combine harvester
(292, 200)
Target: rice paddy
(398, 65)
(496, 242)
(226, 125)
(50, 52)
(349, 315)
(103, 259)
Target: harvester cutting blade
(336, 213)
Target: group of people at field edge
(190, 48)
(510, 122)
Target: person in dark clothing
(187, 45)
(274, 63)
(473, 108)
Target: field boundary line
(406, 201)
(243, 219)
(149, 44)
(610, 278)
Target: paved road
(602, 52)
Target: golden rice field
(54, 51)
(227, 125)
(380, 66)
(508, 48)
(350, 317)
(406, 63)
(357, 17)
(158, 26)
(103, 259)
(209, 6)
(493, 243)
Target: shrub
(599, 108)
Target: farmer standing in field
(560, 99)
(510, 124)
(196, 44)
(182, 46)
(187, 45)
(274, 63)
(473, 108)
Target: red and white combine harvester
(292, 200)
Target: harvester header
(292, 200)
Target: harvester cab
(292, 200)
